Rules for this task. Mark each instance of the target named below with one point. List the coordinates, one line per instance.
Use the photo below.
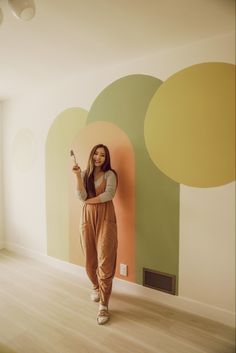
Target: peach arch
(122, 158)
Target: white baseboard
(180, 303)
(45, 258)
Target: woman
(96, 187)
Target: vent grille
(159, 280)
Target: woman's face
(99, 157)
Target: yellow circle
(190, 125)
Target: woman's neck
(97, 170)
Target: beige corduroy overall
(99, 242)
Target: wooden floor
(44, 309)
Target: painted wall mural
(160, 134)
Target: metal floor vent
(159, 280)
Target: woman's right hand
(76, 169)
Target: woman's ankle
(103, 306)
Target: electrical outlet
(123, 270)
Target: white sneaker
(95, 296)
(103, 315)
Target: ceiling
(74, 36)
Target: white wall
(34, 112)
(1, 182)
(207, 247)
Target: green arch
(125, 103)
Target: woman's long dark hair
(89, 173)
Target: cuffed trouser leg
(107, 253)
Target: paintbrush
(73, 156)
